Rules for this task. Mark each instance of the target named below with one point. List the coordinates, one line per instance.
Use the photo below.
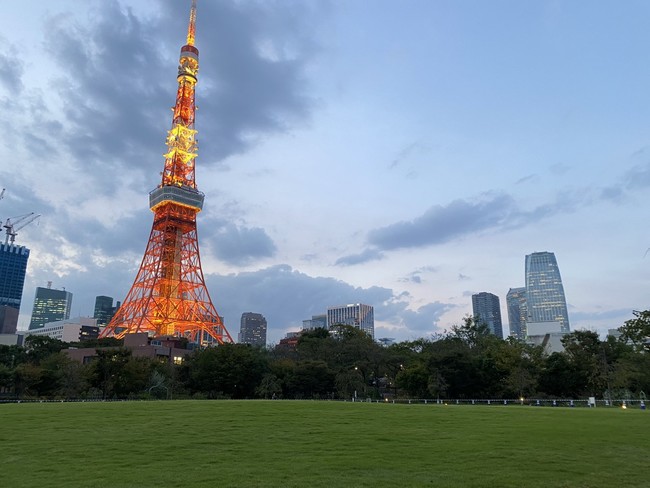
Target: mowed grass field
(319, 444)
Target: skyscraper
(49, 306)
(252, 329)
(545, 300)
(13, 266)
(487, 311)
(104, 310)
(516, 303)
(355, 314)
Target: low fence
(514, 402)
(533, 402)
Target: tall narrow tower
(169, 296)
(545, 300)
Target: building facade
(516, 304)
(8, 320)
(50, 306)
(75, 330)
(13, 267)
(252, 329)
(356, 314)
(545, 300)
(316, 322)
(487, 311)
(104, 310)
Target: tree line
(466, 362)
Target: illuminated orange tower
(169, 296)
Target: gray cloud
(406, 152)
(442, 224)
(363, 257)
(637, 177)
(613, 315)
(527, 179)
(418, 323)
(11, 69)
(463, 218)
(237, 244)
(416, 276)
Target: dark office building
(252, 329)
(104, 310)
(8, 320)
(487, 311)
(49, 306)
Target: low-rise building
(168, 348)
(70, 330)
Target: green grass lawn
(319, 444)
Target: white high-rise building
(355, 314)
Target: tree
(591, 359)
(414, 380)
(311, 379)
(106, 370)
(40, 347)
(269, 387)
(6, 378)
(230, 370)
(27, 377)
(559, 377)
(637, 330)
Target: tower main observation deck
(169, 296)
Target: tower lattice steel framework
(169, 296)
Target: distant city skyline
(340, 163)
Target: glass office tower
(487, 311)
(516, 303)
(13, 266)
(545, 298)
(49, 306)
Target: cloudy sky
(401, 154)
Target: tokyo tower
(169, 296)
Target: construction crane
(14, 224)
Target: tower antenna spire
(191, 28)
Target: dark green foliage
(41, 347)
(230, 371)
(344, 363)
(637, 330)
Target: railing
(513, 402)
(533, 402)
